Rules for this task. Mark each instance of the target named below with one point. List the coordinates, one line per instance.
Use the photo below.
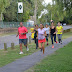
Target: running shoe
(41, 49)
(61, 42)
(27, 49)
(47, 44)
(52, 46)
(36, 47)
(21, 53)
(56, 42)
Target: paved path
(67, 27)
(25, 63)
(12, 38)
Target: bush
(65, 31)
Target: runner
(22, 31)
(35, 36)
(53, 33)
(47, 32)
(41, 37)
(59, 32)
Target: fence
(15, 24)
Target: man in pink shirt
(22, 31)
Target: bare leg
(21, 47)
(40, 45)
(43, 46)
(25, 46)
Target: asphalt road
(13, 39)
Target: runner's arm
(62, 30)
(45, 33)
(26, 31)
(37, 35)
(17, 34)
(55, 31)
(49, 30)
(33, 31)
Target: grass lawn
(60, 61)
(12, 55)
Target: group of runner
(41, 35)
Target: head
(36, 26)
(52, 23)
(21, 24)
(59, 23)
(41, 26)
(46, 25)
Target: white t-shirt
(40, 34)
(47, 30)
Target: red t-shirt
(22, 30)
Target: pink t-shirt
(22, 30)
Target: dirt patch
(10, 30)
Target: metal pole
(51, 16)
(35, 11)
(17, 16)
(17, 11)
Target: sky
(46, 2)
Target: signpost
(20, 8)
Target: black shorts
(24, 41)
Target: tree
(3, 4)
(28, 6)
(60, 10)
(11, 11)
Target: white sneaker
(21, 53)
(27, 49)
(61, 42)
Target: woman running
(35, 36)
(41, 37)
(47, 32)
(59, 32)
(53, 33)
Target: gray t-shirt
(47, 30)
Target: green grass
(60, 61)
(66, 35)
(12, 55)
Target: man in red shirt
(22, 31)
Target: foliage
(10, 13)
(4, 4)
(61, 10)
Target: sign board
(20, 7)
